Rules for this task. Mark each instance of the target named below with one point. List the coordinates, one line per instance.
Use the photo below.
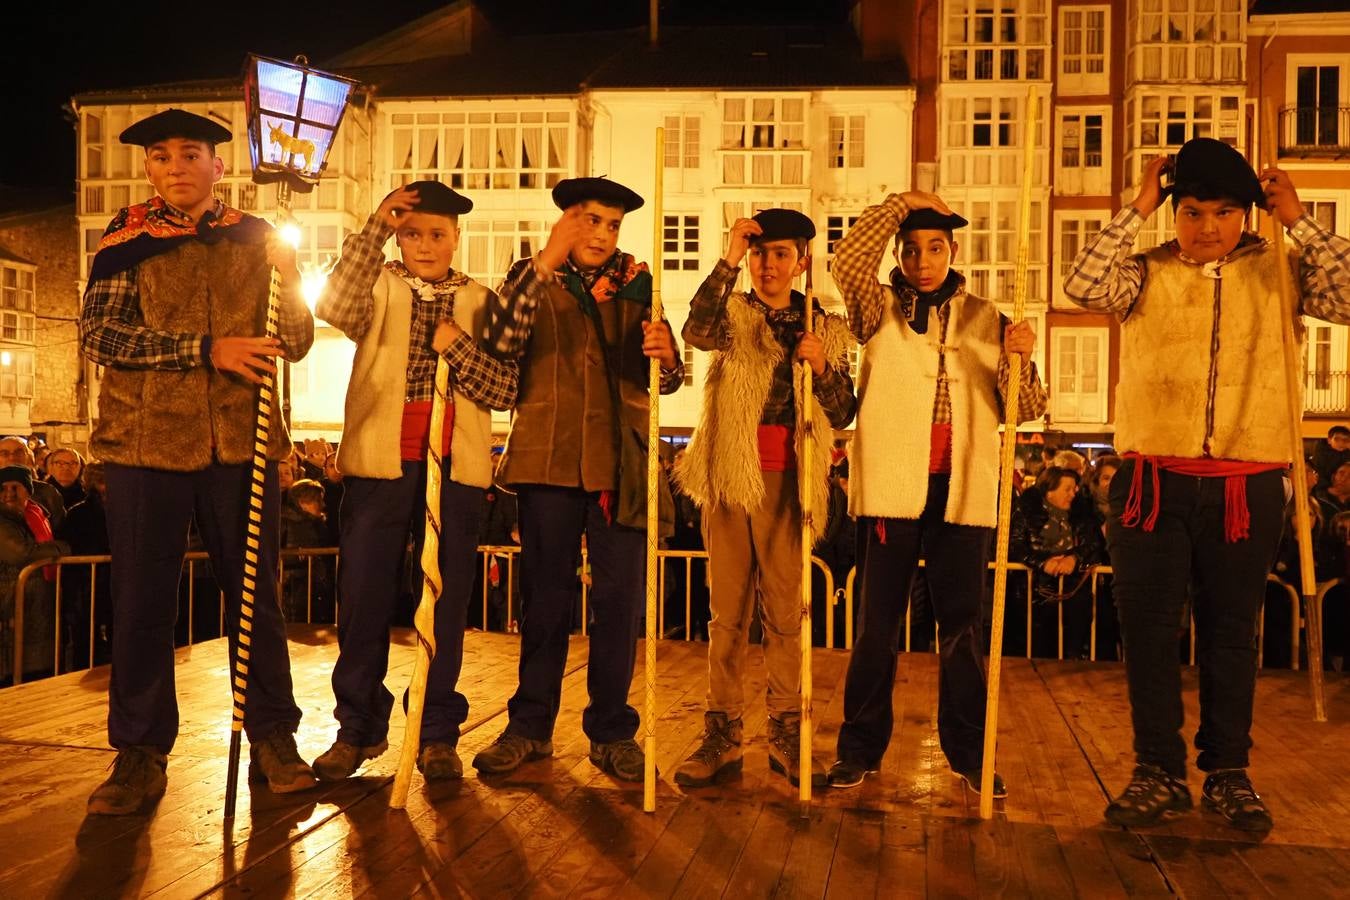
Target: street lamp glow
(291, 234)
(6, 358)
(312, 281)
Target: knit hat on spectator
(19, 474)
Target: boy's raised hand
(1281, 198)
(742, 230)
(567, 232)
(925, 200)
(1150, 195)
(399, 201)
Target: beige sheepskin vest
(897, 385)
(374, 410)
(1202, 361)
(721, 464)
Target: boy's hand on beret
(1150, 195)
(1281, 198)
(925, 200)
(567, 232)
(398, 202)
(739, 243)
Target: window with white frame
(679, 243)
(996, 40)
(488, 247)
(984, 140)
(835, 229)
(1186, 40)
(989, 246)
(1079, 374)
(1080, 167)
(1082, 47)
(1324, 386)
(16, 374)
(682, 142)
(688, 366)
(481, 150)
(1323, 212)
(1074, 230)
(752, 129)
(846, 142)
(1157, 123)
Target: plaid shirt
(857, 257)
(113, 330)
(348, 305)
(1108, 277)
(707, 329)
(511, 320)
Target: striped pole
(805, 471)
(262, 431)
(1005, 473)
(424, 620)
(653, 496)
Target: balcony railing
(1325, 393)
(1315, 131)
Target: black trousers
(376, 519)
(148, 515)
(956, 556)
(552, 521)
(1152, 572)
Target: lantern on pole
(293, 114)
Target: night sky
(55, 50)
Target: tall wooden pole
(1293, 379)
(805, 471)
(424, 619)
(653, 495)
(1006, 457)
(262, 430)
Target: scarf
(620, 276)
(148, 229)
(915, 306)
(428, 291)
(35, 516)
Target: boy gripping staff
(934, 355)
(741, 470)
(403, 316)
(1201, 419)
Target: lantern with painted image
(293, 114)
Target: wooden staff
(653, 495)
(1293, 379)
(262, 430)
(806, 412)
(1005, 473)
(424, 620)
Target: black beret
(437, 199)
(931, 218)
(783, 225)
(571, 191)
(1216, 168)
(175, 123)
(20, 474)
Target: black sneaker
(1151, 796)
(622, 759)
(974, 779)
(846, 774)
(136, 782)
(507, 752)
(1229, 793)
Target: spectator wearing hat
(405, 315)
(752, 512)
(175, 310)
(14, 451)
(577, 316)
(1202, 422)
(21, 544)
(938, 354)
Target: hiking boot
(974, 779)
(137, 781)
(785, 743)
(1151, 796)
(438, 761)
(622, 759)
(1229, 793)
(718, 756)
(276, 761)
(846, 774)
(507, 752)
(341, 760)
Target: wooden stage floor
(559, 827)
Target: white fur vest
(1201, 360)
(721, 465)
(897, 386)
(374, 410)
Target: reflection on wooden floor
(560, 827)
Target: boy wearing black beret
(924, 468)
(405, 315)
(1203, 423)
(741, 470)
(577, 317)
(175, 310)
